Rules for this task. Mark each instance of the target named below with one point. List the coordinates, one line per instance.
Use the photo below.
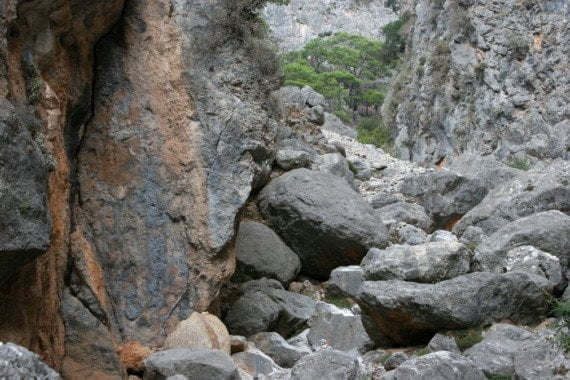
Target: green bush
(371, 130)
(562, 311)
(520, 164)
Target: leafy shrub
(480, 70)
(562, 311)
(32, 77)
(395, 43)
(371, 130)
(520, 164)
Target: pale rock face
(201, 330)
(295, 24)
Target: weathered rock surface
(24, 216)
(430, 262)
(201, 330)
(266, 307)
(334, 163)
(345, 281)
(16, 362)
(446, 196)
(437, 365)
(409, 213)
(398, 312)
(548, 231)
(531, 260)
(441, 342)
(288, 159)
(261, 253)
(538, 190)
(194, 364)
(299, 21)
(340, 328)
(395, 360)
(334, 124)
(303, 207)
(277, 348)
(407, 234)
(492, 81)
(255, 362)
(325, 364)
(495, 354)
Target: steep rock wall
(298, 22)
(485, 77)
(149, 142)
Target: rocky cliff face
(483, 77)
(147, 126)
(295, 24)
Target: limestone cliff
(147, 125)
(483, 77)
(296, 23)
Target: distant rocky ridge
(295, 24)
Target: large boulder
(194, 364)
(261, 253)
(325, 364)
(345, 281)
(429, 262)
(266, 307)
(536, 191)
(340, 328)
(24, 216)
(409, 213)
(542, 359)
(278, 349)
(531, 260)
(495, 353)
(321, 218)
(254, 362)
(334, 163)
(548, 231)
(488, 171)
(445, 195)
(437, 365)
(16, 362)
(399, 312)
(200, 330)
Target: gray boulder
(548, 231)
(321, 218)
(532, 192)
(429, 262)
(24, 217)
(254, 362)
(296, 309)
(442, 235)
(288, 159)
(541, 359)
(266, 306)
(382, 199)
(301, 340)
(334, 124)
(345, 281)
(437, 365)
(334, 163)
(395, 360)
(277, 348)
(261, 253)
(399, 312)
(325, 364)
(495, 353)
(531, 260)
(361, 170)
(253, 312)
(485, 169)
(410, 235)
(444, 195)
(16, 362)
(441, 342)
(194, 364)
(409, 213)
(340, 328)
